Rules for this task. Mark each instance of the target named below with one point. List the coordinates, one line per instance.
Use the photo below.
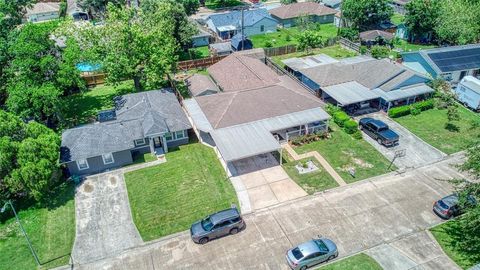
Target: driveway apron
(104, 225)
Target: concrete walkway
(389, 209)
(104, 225)
(320, 159)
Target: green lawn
(405, 46)
(335, 51)
(357, 262)
(397, 18)
(167, 198)
(288, 36)
(446, 235)
(310, 182)
(342, 151)
(195, 53)
(216, 4)
(430, 126)
(50, 227)
(82, 108)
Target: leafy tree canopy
(365, 14)
(459, 21)
(422, 16)
(28, 158)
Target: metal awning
(226, 28)
(350, 93)
(197, 115)
(255, 138)
(405, 92)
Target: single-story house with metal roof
(202, 38)
(335, 4)
(363, 84)
(451, 63)
(228, 24)
(255, 108)
(150, 121)
(43, 11)
(287, 15)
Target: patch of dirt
(87, 187)
(362, 163)
(113, 180)
(359, 162)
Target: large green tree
(422, 16)
(366, 14)
(459, 21)
(28, 157)
(132, 44)
(191, 6)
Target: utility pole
(23, 230)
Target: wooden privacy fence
(280, 50)
(93, 78)
(199, 63)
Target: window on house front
(169, 136)
(82, 164)
(140, 142)
(262, 28)
(179, 135)
(107, 158)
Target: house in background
(202, 38)
(402, 32)
(76, 12)
(255, 108)
(362, 84)
(43, 11)
(335, 4)
(255, 21)
(220, 49)
(375, 37)
(468, 92)
(399, 6)
(240, 42)
(288, 15)
(450, 63)
(201, 85)
(146, 122)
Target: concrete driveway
(265, 181)
(104, 225)
(387, 210)
(418, 152)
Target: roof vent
(106, 115)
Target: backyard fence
(93, 78)
(350, 45)
(280, 50)
(199, 63)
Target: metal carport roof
(405, 92)
(197, 115)
(350, 93)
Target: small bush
(357, 135)
(380, 52)
(268, 44)
(350, 126)
(288, 38)
(414, 110)
(399, 111)
(340, 117)
(332, 109)
(425, 105)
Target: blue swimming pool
(88, 67)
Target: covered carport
(353, 97)
(403, 96)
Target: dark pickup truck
(379, 131)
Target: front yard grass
(343, 152)
(288, 36)
(357, 262)
(310, 182)
(50, 227)
(82, 108)
(430, 127)
(169, 197)
(406, 46)
(335, 51)
(446, 235)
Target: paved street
(418, 152)
(104, 225)
(384, 211)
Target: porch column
(164, 143)
(306, 129)
(389, 104)
(152, 148)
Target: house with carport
(255, 110)
(145, 122)
(360, 84)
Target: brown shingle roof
(198, 84)
(373, 34)
(301, 9)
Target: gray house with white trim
(146, 122)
